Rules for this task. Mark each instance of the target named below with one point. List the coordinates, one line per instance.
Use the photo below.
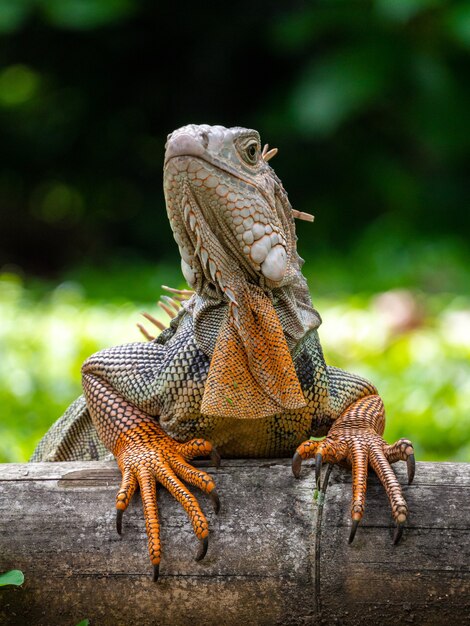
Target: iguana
(240, 371)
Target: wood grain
(265, 564)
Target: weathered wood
(266, 563)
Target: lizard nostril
(205, 139)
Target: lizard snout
(184, 144)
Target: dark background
(368, 103)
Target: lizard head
(235, 230)
(228, 210)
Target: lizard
(240, 370)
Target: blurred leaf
(458, 23)
(13, 14)
(439, 126)
(84, 622)
(297, 30)
(85, 14)
(13, 577)
(18, 84)
(404, 10)
(57, 202)
(334, 88)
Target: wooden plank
(265, 564)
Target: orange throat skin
(252, 374)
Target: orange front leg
(356, 437)
(146, 454)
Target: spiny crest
(170, 305)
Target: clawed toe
(411, 466)
(204, 543)
(356, 438)
(214, 496)
(352, 534)
(215, 458)
(296, 464)
(318, 464)
(157, 457)
(397, 533)
(402, 450)
(119, 515)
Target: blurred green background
(369, 105)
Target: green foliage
(414, 346)
(13, 577)
(84, 622)
(43, 343)
(421, 368)
(72, 14)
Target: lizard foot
(356, 437)
(145, 454)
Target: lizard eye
(252, 152)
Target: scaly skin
(241, 366)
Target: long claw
(352, 534)
(214, 496)
(318, 464)
(296, 464)
(411, 466)
(149, 456)
(397, 534)
(156, 572)
(119, 514)
(215, 458)
(202, 549)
